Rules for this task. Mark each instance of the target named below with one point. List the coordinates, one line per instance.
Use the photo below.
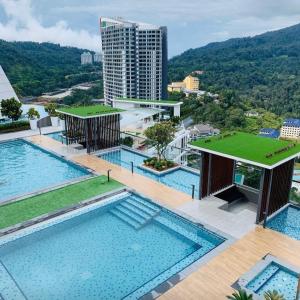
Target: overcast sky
(190, 23)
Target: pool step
(135, 212)
(272, 270)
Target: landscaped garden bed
(159, 165)
(14, 126)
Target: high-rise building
(97, 57)
(86, 58)
(134, 60)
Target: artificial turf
(89, 111)
(24, 210)
(248, 146)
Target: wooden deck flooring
(213, 280)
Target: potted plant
(51, 110)
(240, 295)
(33, 116)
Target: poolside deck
(213, 280)
(150, 188)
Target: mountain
(35, 68)
(264, 69)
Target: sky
(191, 24)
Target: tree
(11, 108)
(160, 135)
(51, 109)
(240, 295)
(33, 114)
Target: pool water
(287, 222)
(57, 136)
(122, 249)
(275, 277)
(179, 179)
(26, 168)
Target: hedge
(14, 126)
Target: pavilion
(94, 127)
(275, 159)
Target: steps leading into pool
(135, 212)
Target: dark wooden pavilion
(94, 127)
(275, 159)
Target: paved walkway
(27, 133)
(213, 280)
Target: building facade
(97, 57)
(191, 83)
(290, 129)
(134, 60)
(86, 58)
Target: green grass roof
(89, 111)
(29, 208)
(248, 147)
(150, 101)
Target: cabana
(95, 127)
(275, 159)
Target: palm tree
(273, 295)
(240, 295)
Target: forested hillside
(34, 68)
(264, 69)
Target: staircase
(135, 212)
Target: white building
(86, 58)
(97, 57)
(134, 60)
(6, 90)
(290, 129)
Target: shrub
(157, 164)
(51, 110)
(11, 108)
(33, 114)
(14, 126)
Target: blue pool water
(287, 221)
(275, 277)
(57, 136)
(180, 179)
(123, 249)
(25, 168)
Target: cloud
(22, 25)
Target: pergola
(275, 158)
(95, 127)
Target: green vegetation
(240, 295)
(127, 141)
(263, 70)
(159, 165)
(33, 114)
(14, 126)
(84, 97)
(51, 109)
(89, 111)
(36, 68)
(249, 147)
(273, 295)
(228, 112)
(159, 136)
(20, 211)
(11, 108)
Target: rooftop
(269, 132)
(292, 122)
(89, 111)
(147, 101)
(249, 148)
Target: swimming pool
(26, 168)
(119, 249)
(181, 179)
(275, 277)
(287, 222)
(57, 136)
